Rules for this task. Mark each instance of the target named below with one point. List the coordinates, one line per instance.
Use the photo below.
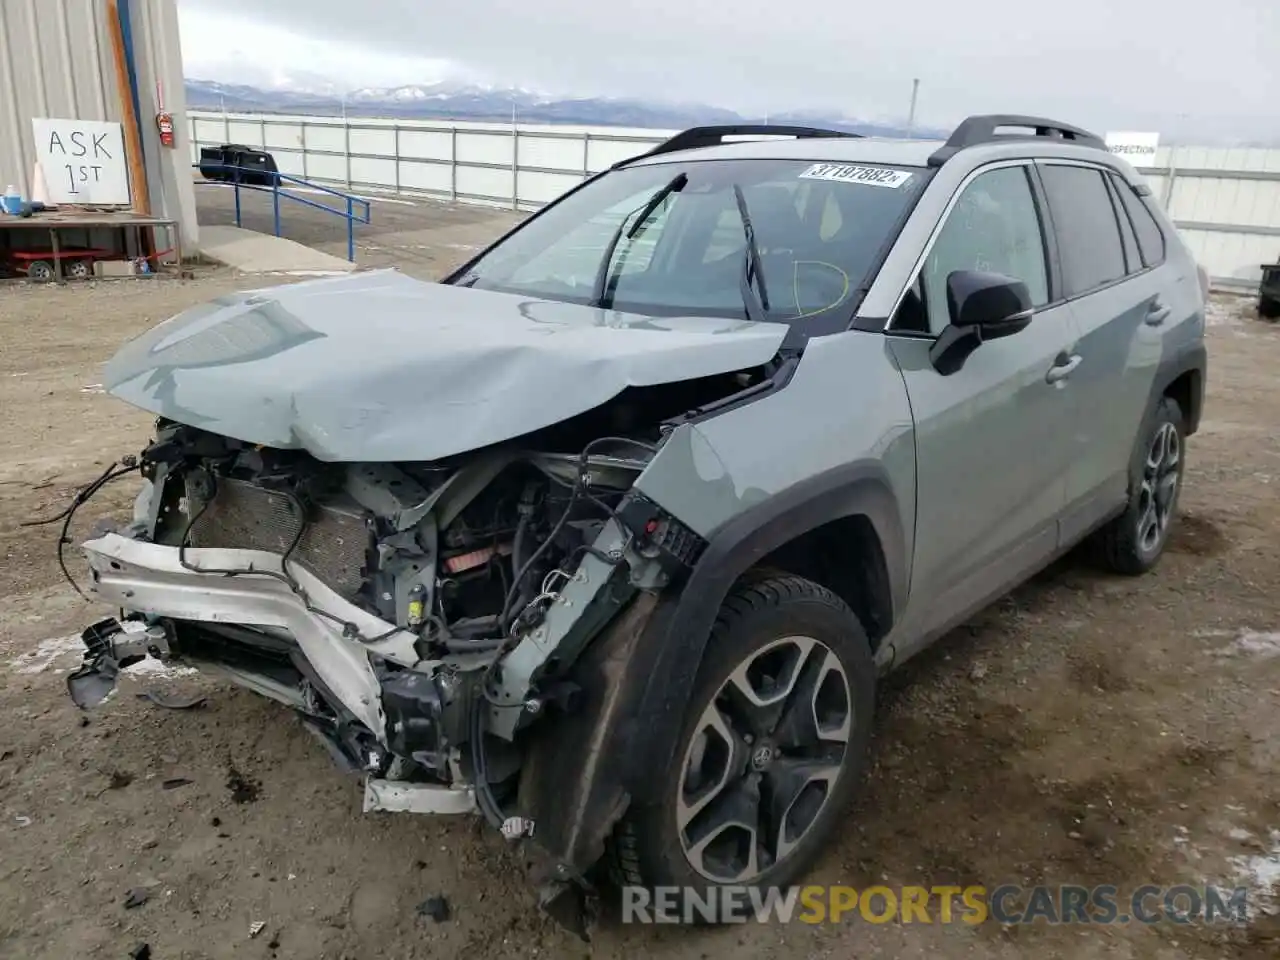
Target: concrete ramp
(253, 252)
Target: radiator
(334, 546)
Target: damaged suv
(609, 534)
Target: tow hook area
(110, 646)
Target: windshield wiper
(752, 266)
(601, 296)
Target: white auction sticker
(849, 173)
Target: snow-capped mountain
(465, 101)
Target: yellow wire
(795, 286)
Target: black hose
(83, 495)
(485, 799)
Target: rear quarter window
(1150, 236)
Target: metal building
(109, 60)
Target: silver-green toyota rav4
(609, 534)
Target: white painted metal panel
(542, 188)
(374, 172)
(425, 176)
(289, 162)
(323, 166)
(476, 147)
(245, 132)
(209, 132)
(284, 136)
(1232, 256)
(426, 144)
(550, 153)
(485, 183)
(330, 137)
(379, 142)
(603, 153)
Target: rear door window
(1089, 241)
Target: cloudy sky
(1116, 64)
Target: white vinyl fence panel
(1225, 201)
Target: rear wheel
(40, 270)
(80, 269)
(1133, 542)
(772, 747)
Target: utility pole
(911, 113)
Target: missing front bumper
(331, 633)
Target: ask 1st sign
(82, 161)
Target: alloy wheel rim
(1159, 488)
(764, 759)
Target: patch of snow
(1264, 644)
(1226, 311)
(47, 653)
(53, 651)
(1261, 874)
(153, 669)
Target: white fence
(1225, 201)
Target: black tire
(1269, 308)
(1120, 546)
(40, 271)
(761, 614)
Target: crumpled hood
(378, 366)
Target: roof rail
(983, 129)
(696, 137)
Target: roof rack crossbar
(696, 137)
(984, 129)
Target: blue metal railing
(349, 214)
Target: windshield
(670, 239)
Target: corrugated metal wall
(56, 61)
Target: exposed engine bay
(418, 616)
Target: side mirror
(982, 306)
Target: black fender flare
(676, 635)
(1193, 358)
(584, 770)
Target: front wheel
(1133, 542)
(772, 747)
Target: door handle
(1062, 367)
(1157, 314)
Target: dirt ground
(1085, 730)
